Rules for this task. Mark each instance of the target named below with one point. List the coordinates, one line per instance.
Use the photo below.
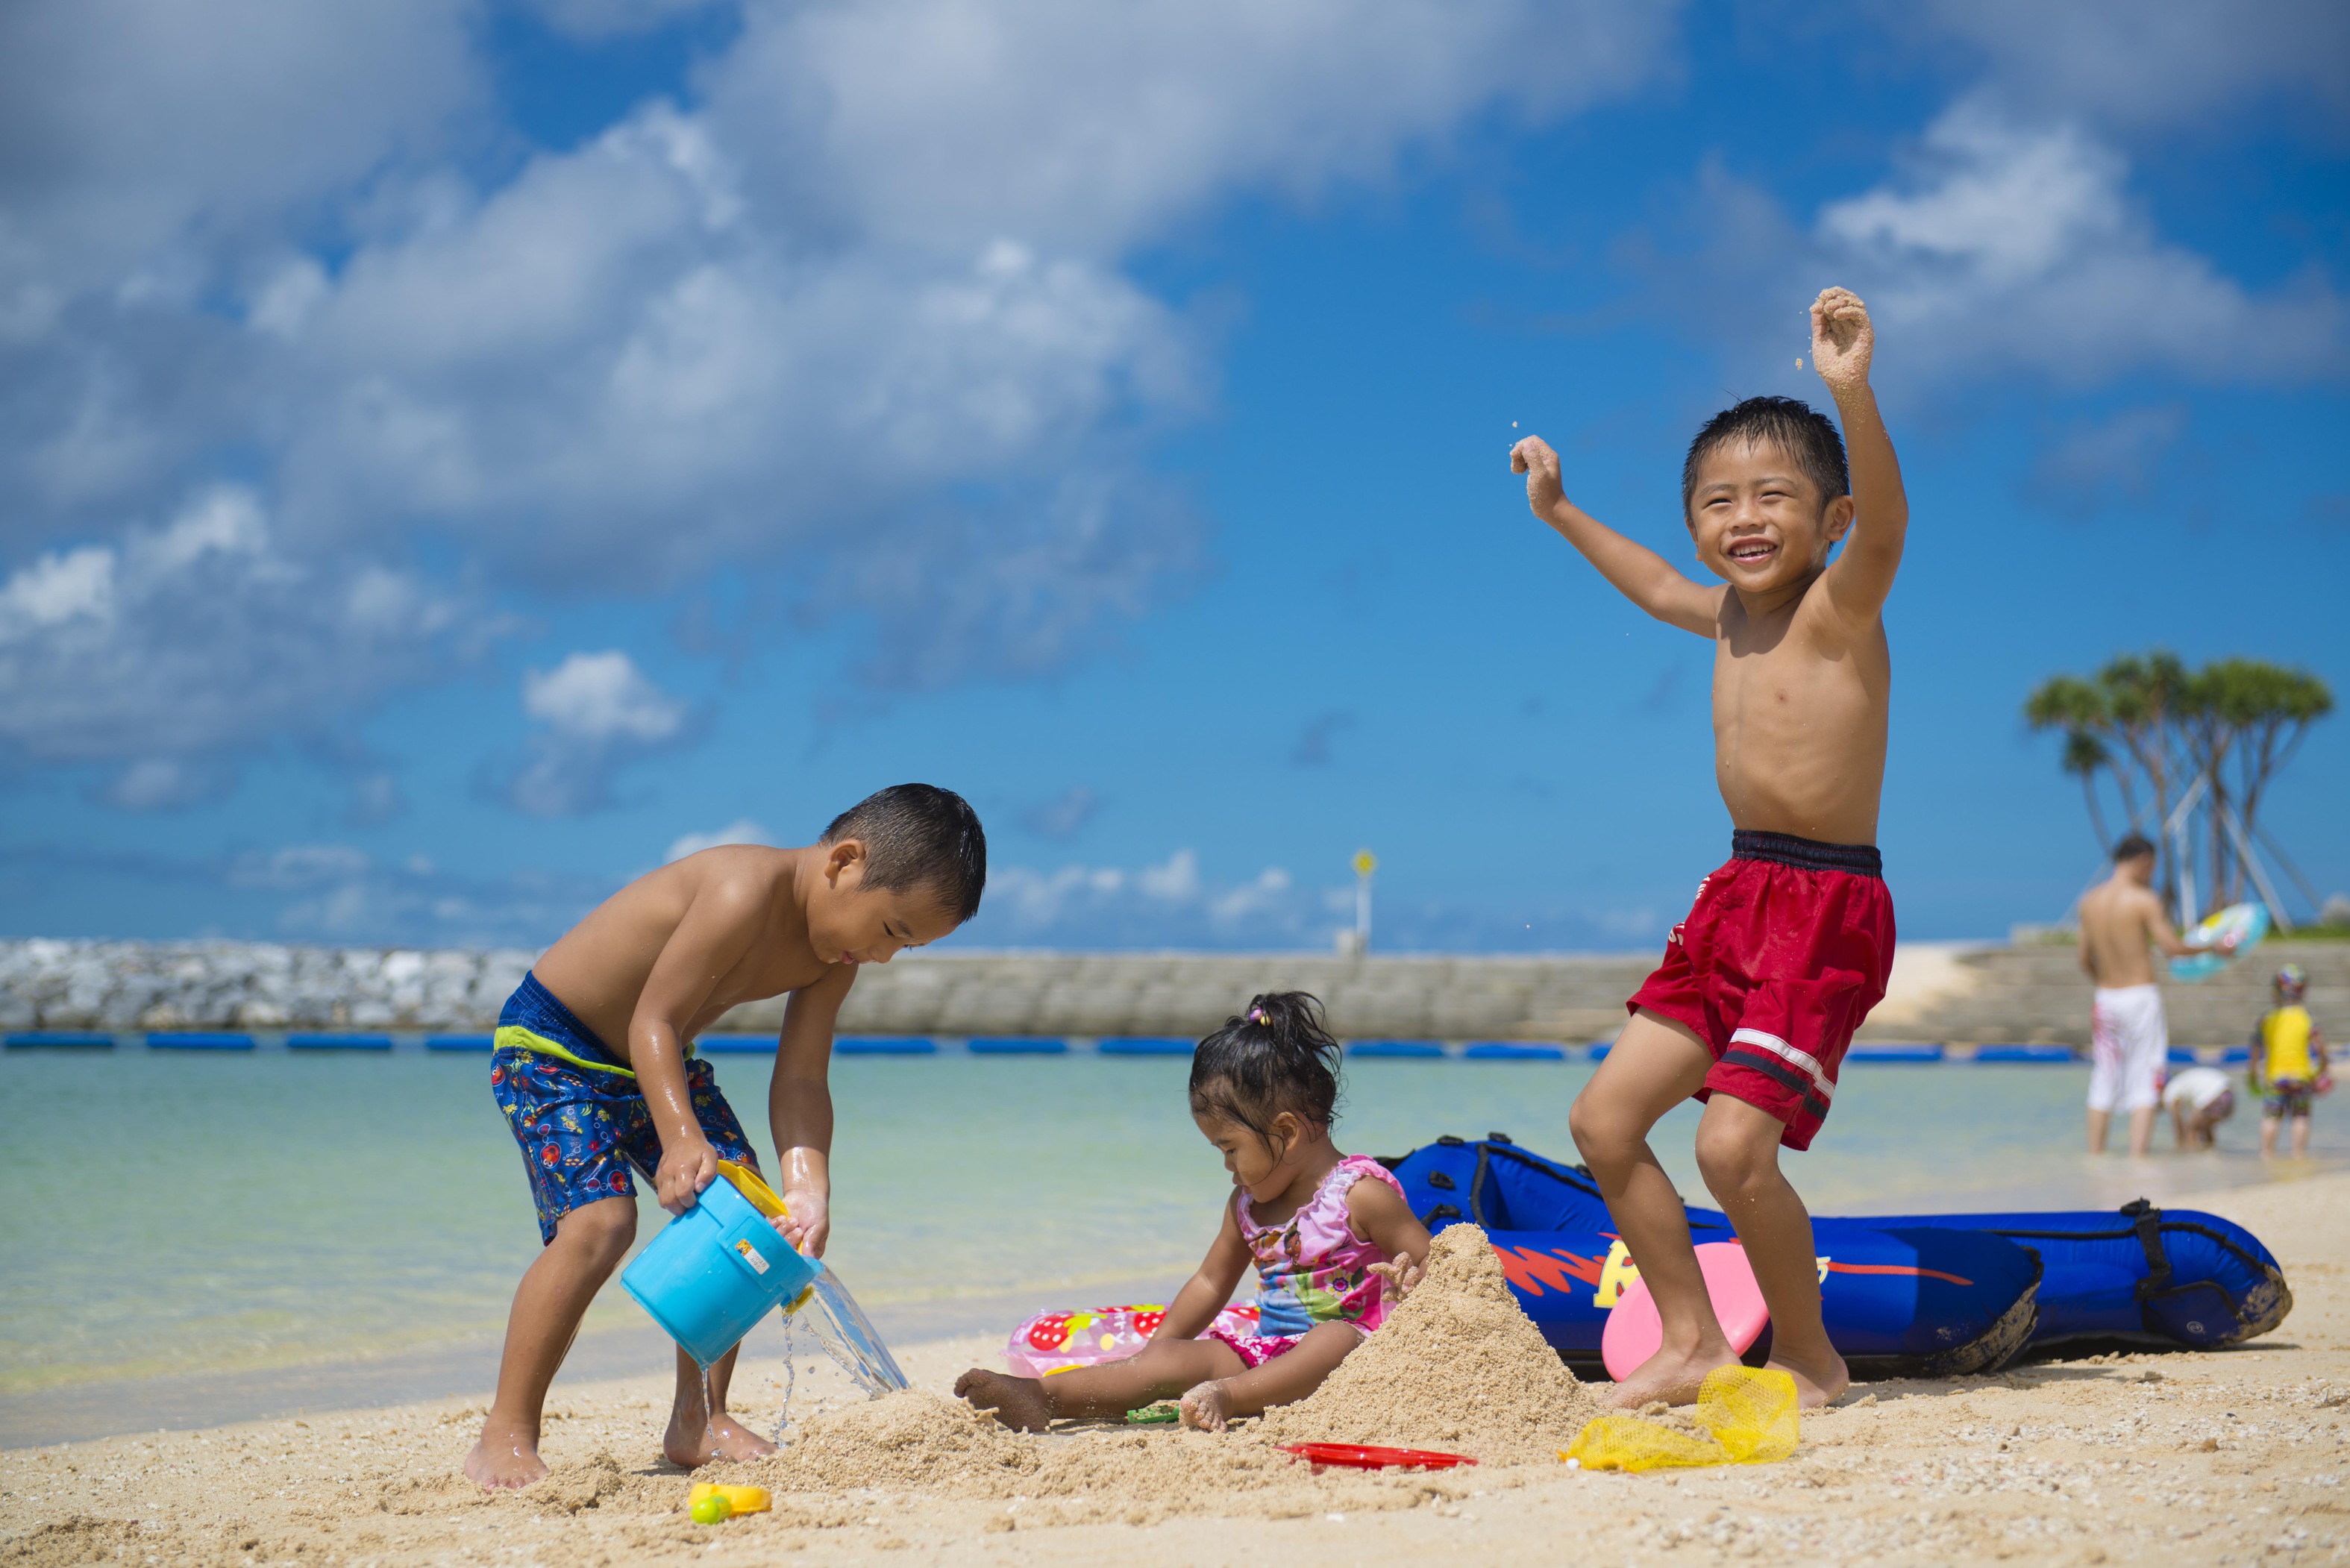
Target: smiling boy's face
(1757, 519)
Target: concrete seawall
(1946, 993)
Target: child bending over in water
(1788, 945)
(1332, 1239)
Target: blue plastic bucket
(714, 1271)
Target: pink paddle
(1633, 1332)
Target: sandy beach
(2235, 1456)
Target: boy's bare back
(719, 927)
(665, 957)
(1801, 675)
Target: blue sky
(459, 455)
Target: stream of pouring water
(791, 1374)
(847, 1336)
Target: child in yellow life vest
(2289, 1063)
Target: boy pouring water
(595, 1073)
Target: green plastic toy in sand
(711, 1510)
(1154, 1416)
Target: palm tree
(2084, 755)
(2256, 713)
(2083, 710)
(2234, 725)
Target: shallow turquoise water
(168, 1213)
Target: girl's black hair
(1276, 1058)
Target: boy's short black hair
(1789, 423)
(2131, 846)
(919, 836)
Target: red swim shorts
(1782, 954)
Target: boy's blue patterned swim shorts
(578, 1112)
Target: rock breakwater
(54, 985)
(1961, 995)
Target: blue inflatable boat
(1935, 1295)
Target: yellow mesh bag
(1750, 1410)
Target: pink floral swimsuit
(1314, 1269)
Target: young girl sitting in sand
(1332, 1239)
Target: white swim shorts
(2128, 1045)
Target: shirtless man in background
(2121, 918)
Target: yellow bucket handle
(761, 1197)
(755, 1188)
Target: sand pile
(1457, 1365)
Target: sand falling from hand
(1457, 1365)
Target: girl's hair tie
(1256, 1015)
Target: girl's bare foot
(690, 1444)
(504, 1457)
(1020, 1403)
(1206, 1406)
(1673, 1375)
(1817, 1382)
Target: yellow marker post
(1365, 864)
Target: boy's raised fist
(1842, 338)
(1534, 458)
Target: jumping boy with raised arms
(595, 1073)
(1787, 947)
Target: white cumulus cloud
(861, 316)
(1091, 128)
(596, 713)
(77, 585)
(2013, 244)
(601, 697)
(170, 651)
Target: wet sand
(2231, 1457)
